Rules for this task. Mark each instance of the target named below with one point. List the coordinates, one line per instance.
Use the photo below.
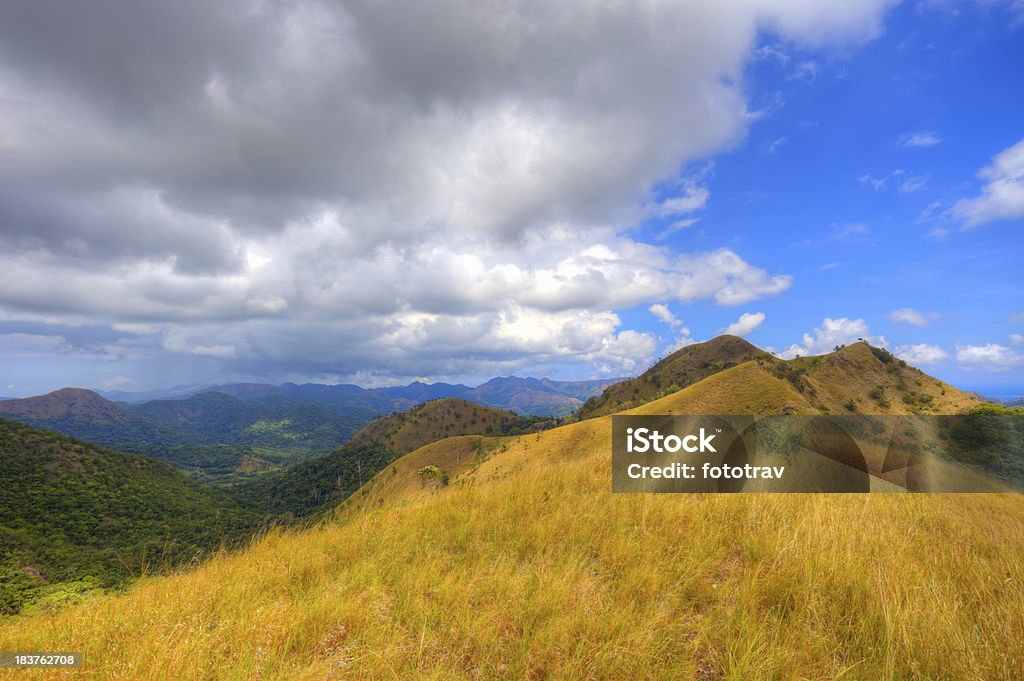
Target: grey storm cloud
(386, 171)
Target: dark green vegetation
(320, 483)
(212, 436)
(230, 433)
(990, 437)
(679, 370)
(74, 516)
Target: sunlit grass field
(527, 567)
(549, 575)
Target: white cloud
(1016, 338)
(776, 144)
(1002, 197)
(119, 383)
(908, 315)
(898, 179)
(920, 139)
(692, 199)
(806, 71)
(664, 315)
(832, 332)
(380, 187)
(912, 183)
(990, 357)
(747, 322)
(920, 354)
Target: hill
(682, 368)
(527, 566)
(211, 436)
(217, 418)
(74, 517)
(314, 485)
(84, 414)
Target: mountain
(67, 404)
(526, 396)
(146, 395)
(211, 436)
(218, 418)
(541, 397)
(313, 485)
(74, 516)
(84, 414)
(526, 565)
(682, 368)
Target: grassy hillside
(677, 371)
(314, 485)
(527, 566)
(74, 516)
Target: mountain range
(525, 396)
(230, 432)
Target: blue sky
(571, 190)
(919, 111)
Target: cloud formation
(832, 332)
(920, 139)
(372, 186)
(908, 315)
(920, 354)
(747, 322)
(988, 357)
(1002, 196)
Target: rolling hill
(315, 485)
(527, 566)
(211, 436)
(74, 516)
(682, 368)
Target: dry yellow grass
(527, 566)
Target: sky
(378, 192)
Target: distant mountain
(212, 435)
(542, 397)
(146, 395)
(526, 396)
(72, 404)
(316, 484)
(682, 368)
(84, 414)
(75, 516)
(218, 418)
(1005, 400)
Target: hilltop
(682, 368)
(74, 516)
(316, 484)
(67, 404)
(855, 379)
(526, 566)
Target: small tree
(433, 475)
